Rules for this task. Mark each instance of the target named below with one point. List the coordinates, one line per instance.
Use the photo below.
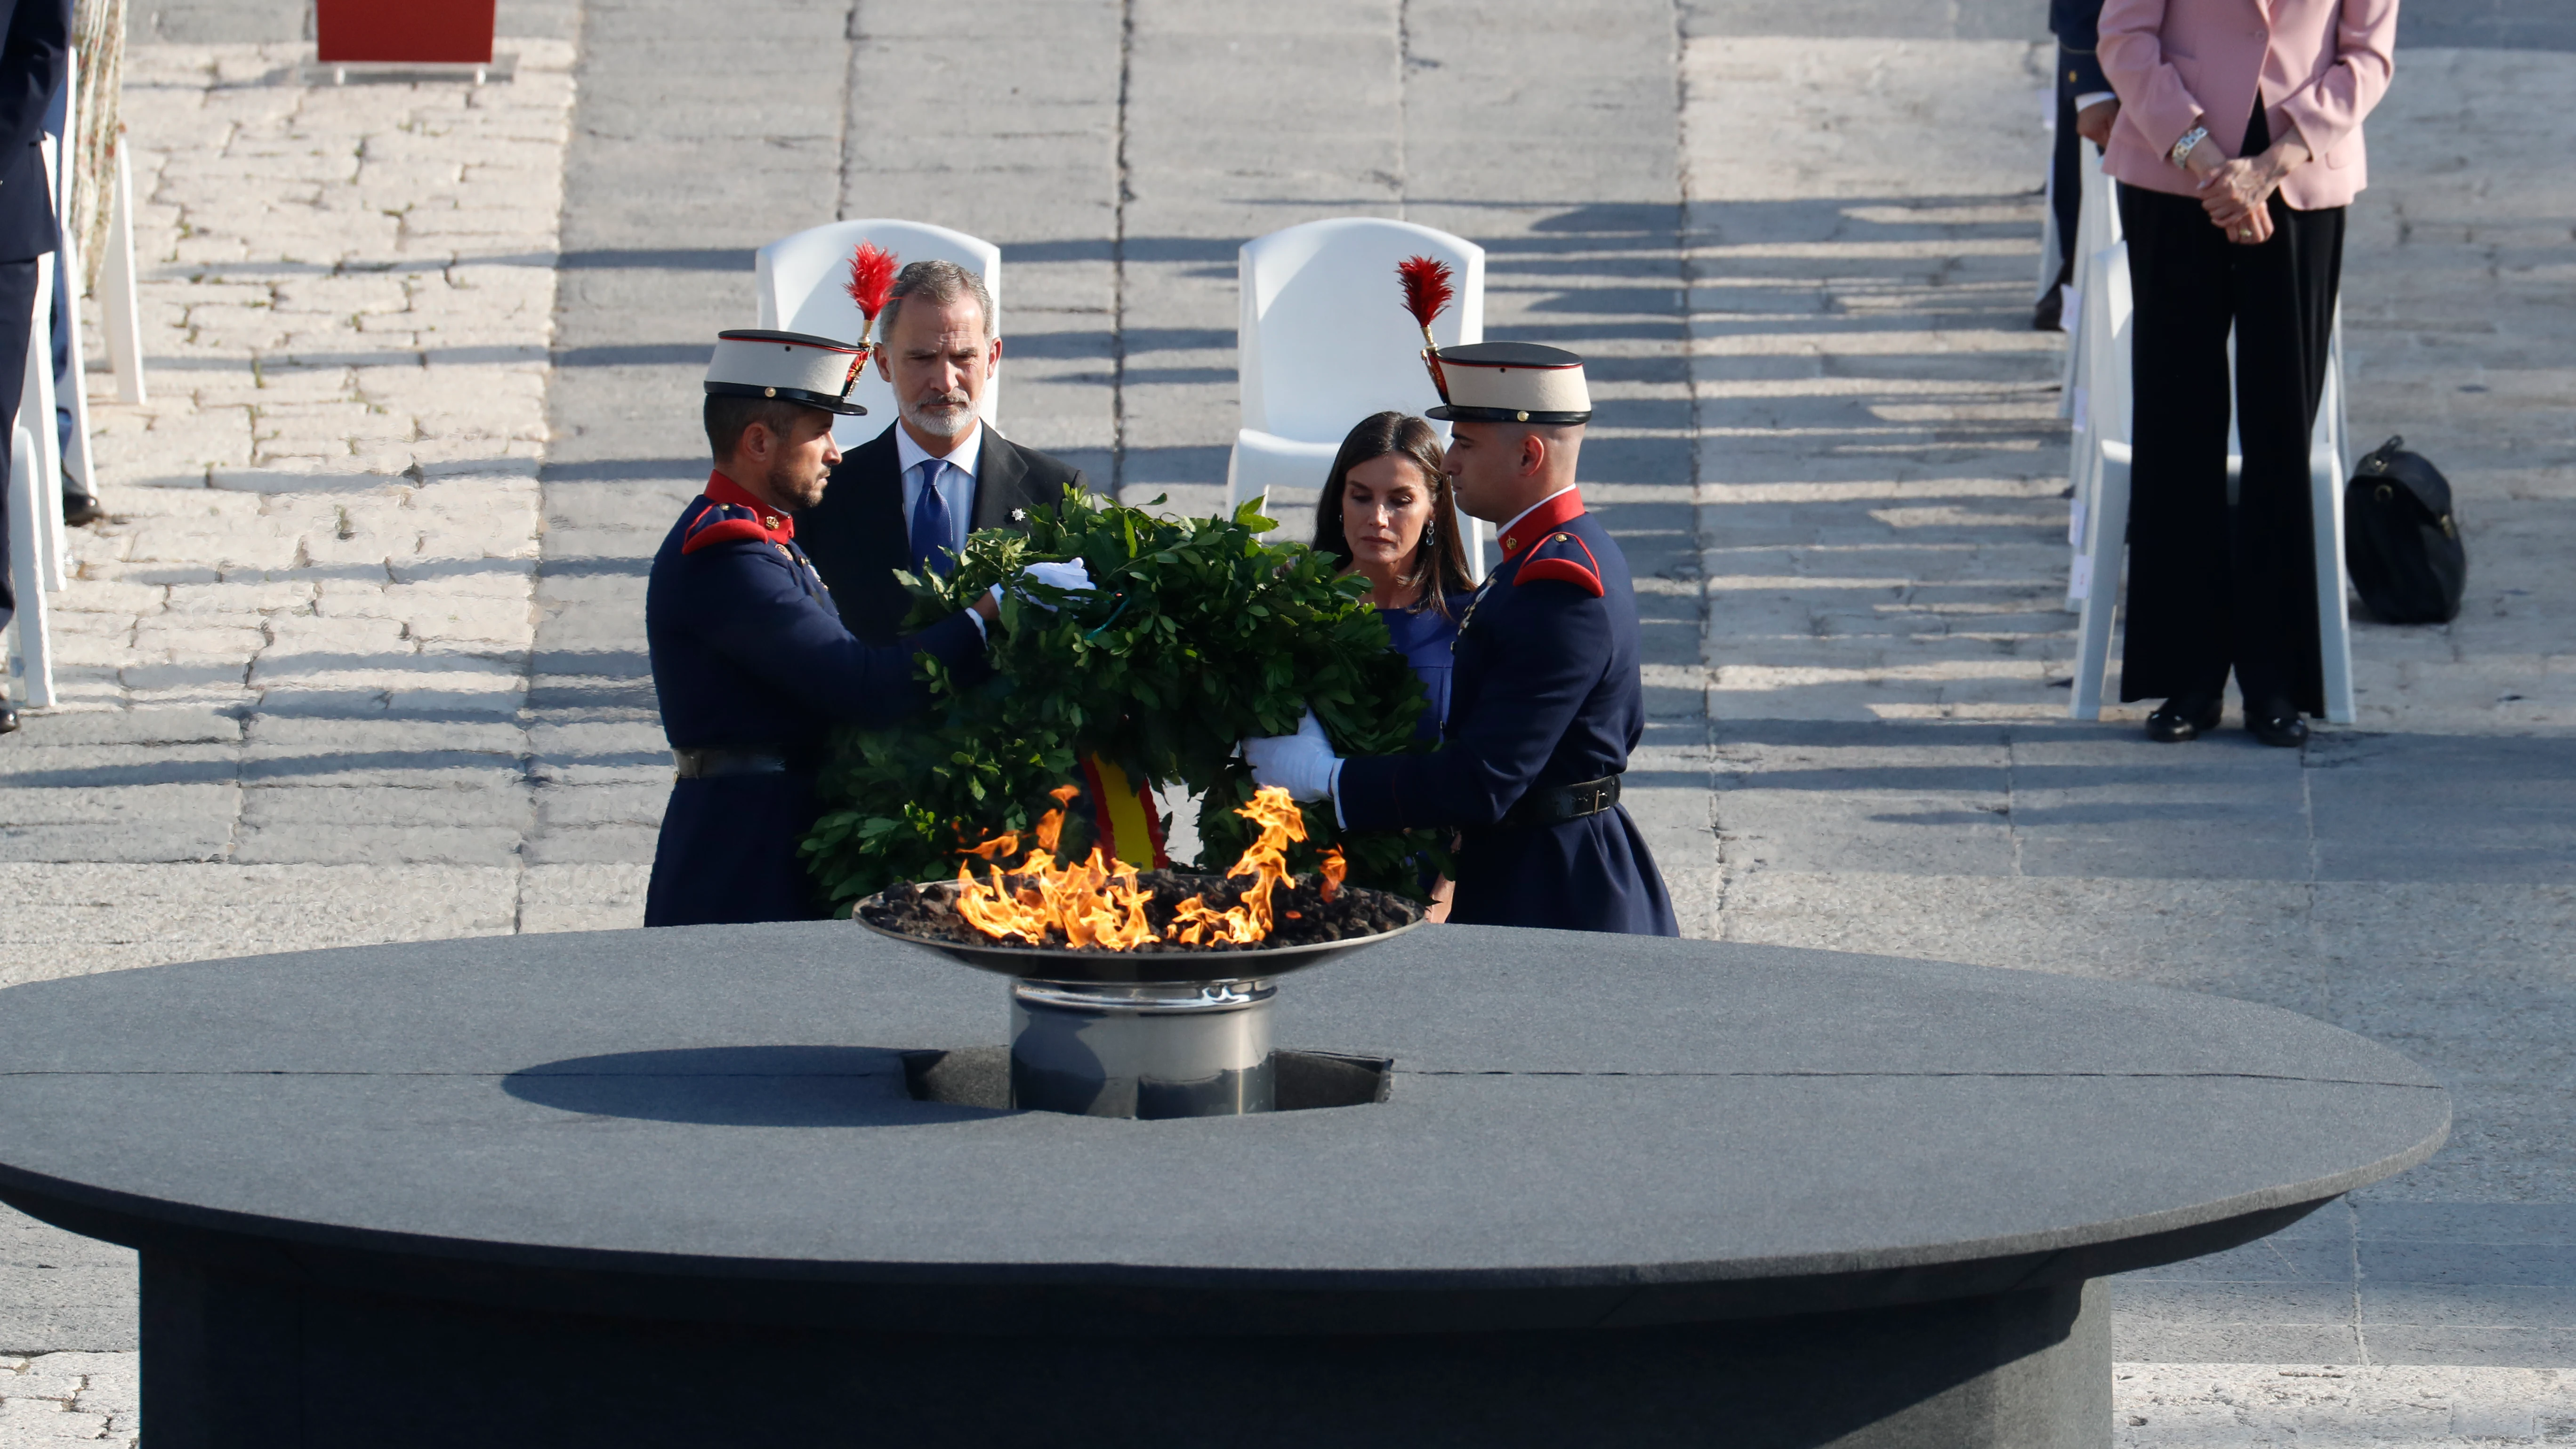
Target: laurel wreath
(1197, 634)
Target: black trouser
(2066, 176)
(2208, 590)
(17, 314)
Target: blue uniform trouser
(1592, 874)
(728, 852)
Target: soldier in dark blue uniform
(751, 663)
(1545, 700)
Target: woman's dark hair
(1402, 435)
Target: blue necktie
(931, 539)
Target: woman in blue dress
(1387, 514)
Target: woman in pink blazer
(2238, 146)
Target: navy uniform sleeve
(792, 643)
(1511, 727)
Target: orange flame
(1051, 825)
(1100, 903)
(1265, 860)
(1334, 869)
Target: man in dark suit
(34, 51)
(908, 499)
(2086, 108)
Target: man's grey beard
(954, 425)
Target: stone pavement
(1887, 661)
(55, 1398)
(359, 671)
(294, 666)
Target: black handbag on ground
(2400, 541)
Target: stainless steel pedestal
(1197, 1049)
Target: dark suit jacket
(856, 535)
(36, 48)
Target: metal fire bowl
(1137, 968)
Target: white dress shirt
(956, 481)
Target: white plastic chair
(800, 280)
(2097, 232)
(1325, 341)
(2100, 524)
(34, 659)
(121, 310)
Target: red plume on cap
(1426, 289)
(871, 278)
(1426, 296)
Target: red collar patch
(1541, 521)
(733, 515)
(721, 489)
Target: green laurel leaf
(1199, 634)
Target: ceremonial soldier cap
(795, 367)
(1510, 382)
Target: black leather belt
(714, 764)
(1556, 804)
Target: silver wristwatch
(2190, 138)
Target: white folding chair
(120, 309)
(2329, 464)
(1325, 341)
(2097, 225)
(800, 281)
(34, 661)
(2101, 522)
(45, 465)
(2097, 231)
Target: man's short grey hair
(939, 282)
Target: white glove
(1303, 764)
(1071, 577)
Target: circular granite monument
(746, 1185)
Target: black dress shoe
(2184, 717)
(2050, 314)
(2281, 728)
(81, 509)
(8, 718)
